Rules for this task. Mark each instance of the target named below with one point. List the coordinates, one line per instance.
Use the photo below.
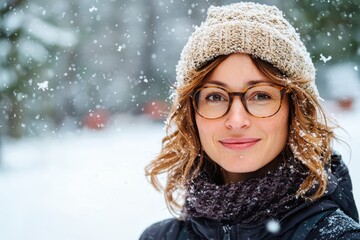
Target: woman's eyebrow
(215, 82)
(254, 82)
(250, 83)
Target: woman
(247, 153)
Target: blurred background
(72, 64)
(84, 85)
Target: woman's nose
(237, 117)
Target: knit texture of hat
(252, 28)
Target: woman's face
(243, 145)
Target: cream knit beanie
(251, 28)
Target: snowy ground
(91, 185)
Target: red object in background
(97, 119)
(346, 103)
(157, 110)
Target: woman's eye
(261, 96)
(215, 97)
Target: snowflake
(273, 226)
(43, 86)
(92, 9)
(325, 59)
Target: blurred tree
(145, 79)
(28, 43)
(330, 28)
(12, 73)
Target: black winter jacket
(334, 216)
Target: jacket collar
(211, 229)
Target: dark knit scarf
(251, 201)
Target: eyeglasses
(260, 100)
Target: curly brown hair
(308, 141)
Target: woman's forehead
(237, 70)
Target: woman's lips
(239, 144)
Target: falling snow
(92, 54)
(93, 9)
(325, 59)
(43, 85)
(273, 226)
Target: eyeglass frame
(282, 89)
